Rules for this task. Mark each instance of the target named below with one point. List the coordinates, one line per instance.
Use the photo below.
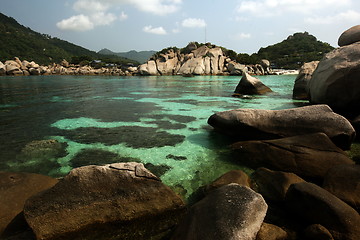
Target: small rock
(317, 232)
(251, 86)
(271, 232)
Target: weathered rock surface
(316, 205)
(344, 182)
(249, 85)
(336, 80)
(273, 185)
(104, 202)
(2, 69)
(233, 176)
(271, 232)
(300, 91)
(308, 156)
(317, 232)
(255, 124)
(350, 36)
(229, 212)
(15, 189)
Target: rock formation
(249, 85)
(336, 80)
(229, 212)
(308, 156)
(193, 60)
(104, 202)
(257, 124)
(301, 89)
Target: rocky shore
(304, 185)
(205, 60)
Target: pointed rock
(249, 85)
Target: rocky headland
(304, 185)
(192, 60)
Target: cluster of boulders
(17, 67)
(335, 79)
(204, 60)
(307, 180)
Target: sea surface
(159, 121)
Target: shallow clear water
(159, 121)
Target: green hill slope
(294, 51)
(141, 56)
(17, 40)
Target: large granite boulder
(148, 68)
(300, 91)
(235, 68)
(265, 65)
(104, 202)
(350, 36)
(316, 205)
(15, 189)
(2, 69)
(336, 80)
(273, 185)
(249, 85)
(308, 156)
(229, 212)
(255, 124)
(344, 182)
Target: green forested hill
(294, 51)
(19, 41)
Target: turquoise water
(159, 121)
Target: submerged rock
(229, 212)
(316, 205)
(251, 86)
(308, 156)
(104, 202)
(257, 124)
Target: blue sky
(241, 25)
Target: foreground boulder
(229, 212)
(344, 182)
(300, 91)
(256, 124)
(104, 202)
(249, 85)
(316, 205)
(308, 156)
(336, 80)
(15, 189)
(350, 36)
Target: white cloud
(349, 16)
(241, 36)
(277, 7)
(193, 23)
(101, 18)
(123, 16)
(154, 30)
(157, 7)
(90, 6)
(76, 23)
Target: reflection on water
(159, 121)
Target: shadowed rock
(104, 202)
(316, 205)
(308, 156)
(15, 189)
(300, 91)
(229, 212)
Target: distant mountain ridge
(141, 56)
(17, 40)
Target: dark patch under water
(135, 137)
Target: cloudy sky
(241, 25)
